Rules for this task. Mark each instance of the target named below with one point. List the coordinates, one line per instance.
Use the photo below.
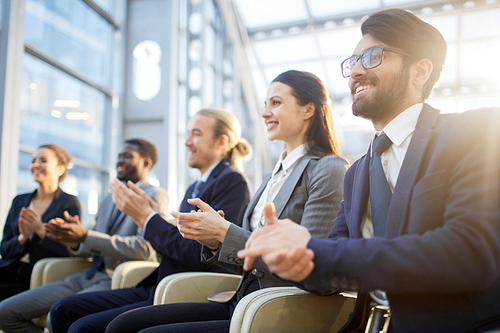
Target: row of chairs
(280, 309)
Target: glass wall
(65, 92)
(318, 39)
(207, 76)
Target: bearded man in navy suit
(214, 146)
(434, 257)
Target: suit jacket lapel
(121, 217)
(285, 192)
(213, 175)
(253, 203)
(360, 193)
(409, 169)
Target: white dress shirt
(281, 171)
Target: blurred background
(87, 74)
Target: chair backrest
(289, 309)
(193, 286)
(48, 270)
(130, 273)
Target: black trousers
(93, 311)
(178, 317)
(14, 279)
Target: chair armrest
(289, 309)
(130, 273)
(193, 286)
(48, 270)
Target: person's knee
(81, 326)
(59, 306)
(7, 313)
(59, 317)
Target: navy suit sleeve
(10, 247)
(451, 239)
(229, 193)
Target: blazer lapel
(409, 169)
(253, 203)
(113, 226)
(360, 194)
(211, 179)
(284, 194)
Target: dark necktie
(98, 261)
(380, 192)
(196, 189)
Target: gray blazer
(125, 240)
(310, 196)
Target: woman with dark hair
(24, 241)
(305, 186)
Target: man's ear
(147, 162)
(223, 140)
(422, 73)
(309, 110)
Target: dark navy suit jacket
(37, 248)
(440, 260)
(225, 189)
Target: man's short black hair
(144, 148)
(403, 30)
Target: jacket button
(334, 282)
(344, 284)
(230, 258)
(354, 285)
(258, 274)
(238, 261)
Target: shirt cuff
(149, 218)
(77, 251)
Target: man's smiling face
(379, 92)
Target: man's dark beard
(382, 104)
(130, 174)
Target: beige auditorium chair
(193, 286)
(48, 270)
(289, 309)
(279, 309)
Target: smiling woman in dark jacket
(24, 241)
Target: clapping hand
(68, 231)
(282, 245)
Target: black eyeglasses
(371, 58)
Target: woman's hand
(205, 226)
(30, 222)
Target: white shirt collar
(207, 173)
(289, 160)
(403, 125)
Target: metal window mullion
(34, 51)
(102, 13)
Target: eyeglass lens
(369, 59)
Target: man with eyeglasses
(418, 233)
